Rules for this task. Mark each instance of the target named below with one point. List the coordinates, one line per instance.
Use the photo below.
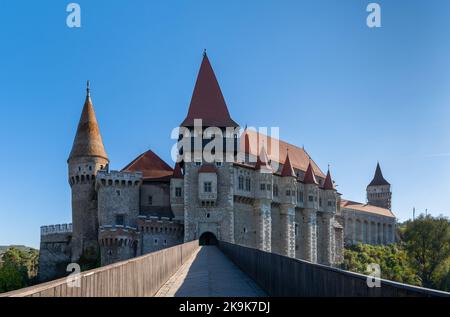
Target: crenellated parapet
(117, 243)
(119, 236)
(118, 179)
(56, 229)
(163, 225)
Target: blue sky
(352, 95)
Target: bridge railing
(283, 276)
(138, 277)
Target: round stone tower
(87, 157)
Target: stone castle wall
(55, 251)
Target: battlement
(163, 225)
(116, 178)
(118, 236)
(54, 229)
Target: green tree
(392, 259)
(18, 269)
(427, 241)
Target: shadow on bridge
(210, 274)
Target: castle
(261, 192)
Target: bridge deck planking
(209, 273)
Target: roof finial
(88, 88)
(204, 52)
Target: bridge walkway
(209, 273)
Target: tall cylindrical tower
(87, 157)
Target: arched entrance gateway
(208, 238)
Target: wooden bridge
(224, 270)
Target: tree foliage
(427, 241)
(18, 269)
(392, 259)
(421, 257)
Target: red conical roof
(88, 141)
(207, 101)
(287, 168)
(309, 178)
(177, 171)
(328, 184)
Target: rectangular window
(269, 186)
(207, 187)
(330, 203)
(150, 200)
(288, 193)
(177, 191)
(198, 163)
(247, 184)
(311, 198)
(263, 186)
(275, 190)
(218, 164)
(241, 183)
(120, 220)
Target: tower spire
(310, 178)
(88, 141)
(88, 88)
(207, 101)
(287, 167)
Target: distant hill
(4, 248)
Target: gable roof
(348, 204)
(207, 101)
(151, 165)
(298, 157)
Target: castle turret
(310, 215)
(263, 201)
(328, 211)
(87, 157)
(379, 190)
(287, 208)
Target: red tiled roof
(328, 184)
(287, 170)
(151, 165)
(207, 168)
(298, 157)
(348, 204)
(310, 178)
(177, 171)
(207, 101)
